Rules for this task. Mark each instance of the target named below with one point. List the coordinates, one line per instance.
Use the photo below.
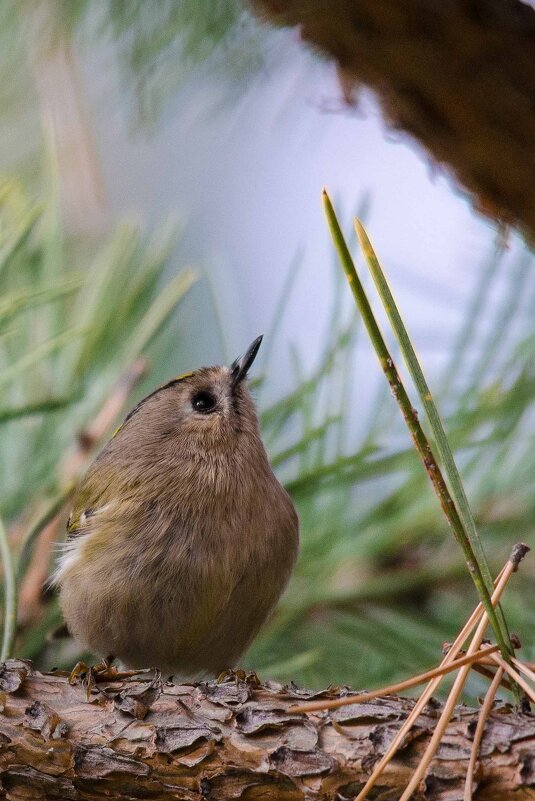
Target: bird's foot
(247, 677)
(102, 671)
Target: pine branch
(234, 740)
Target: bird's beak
(240, 367)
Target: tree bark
(459, 76)
(160, 740)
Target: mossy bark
(161, 740)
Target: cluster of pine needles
(469, 650)
(478, 654)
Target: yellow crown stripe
(128, 416)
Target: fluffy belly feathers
(183, 615)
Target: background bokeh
(161, 175)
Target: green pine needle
(419, 438)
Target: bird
(181, 539)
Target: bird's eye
(203, 402)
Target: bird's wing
(78, 522)
(98, 493)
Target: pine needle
(457, 688)
(515, 675)
(480, 728)
(475, 617)
(419, 438)
(467, 660)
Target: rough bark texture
(148, 740)
(458, 75)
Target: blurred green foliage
(70, 322)
(154, 47)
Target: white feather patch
(71, 549)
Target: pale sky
(246, 183)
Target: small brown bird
(181, 539)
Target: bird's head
(209, 410)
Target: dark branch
(458, 76)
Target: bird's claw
(250, 678)
(79, 671)
(103, 671)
